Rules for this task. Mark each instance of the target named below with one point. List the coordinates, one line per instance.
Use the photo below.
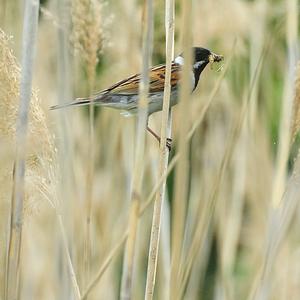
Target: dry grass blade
(126, 283)
(164, 154)
(28, 51)
(287, 104)
(69, 261)
(105, 265)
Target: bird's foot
(169, 144)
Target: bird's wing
(156, 81)
(130, 86)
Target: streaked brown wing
(157, 77)
(157, 81)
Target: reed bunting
(124, 94)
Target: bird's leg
(153, 133)
(169, 140)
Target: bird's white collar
(179, 60)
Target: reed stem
(164, 154)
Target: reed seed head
(40, 150)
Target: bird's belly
(130, 103)
(156, 102)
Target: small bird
(124, 94)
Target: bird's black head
(202, 57)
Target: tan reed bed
(234, 153)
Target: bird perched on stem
(124, 94)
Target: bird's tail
(77, 102)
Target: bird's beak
(215, 58)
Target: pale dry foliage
(231, 158)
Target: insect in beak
(215, 58)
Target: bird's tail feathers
(77, 102)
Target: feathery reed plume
(295, 125)
(40, 152)
(88, 33)
(164, 154)
(137, 178)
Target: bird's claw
(169, 144)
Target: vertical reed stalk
(64, 208)
(164, 154)
(126, 284)
(88, 40)
(16, 219)
(89, 179)
(181, 177)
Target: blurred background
(241, 235)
